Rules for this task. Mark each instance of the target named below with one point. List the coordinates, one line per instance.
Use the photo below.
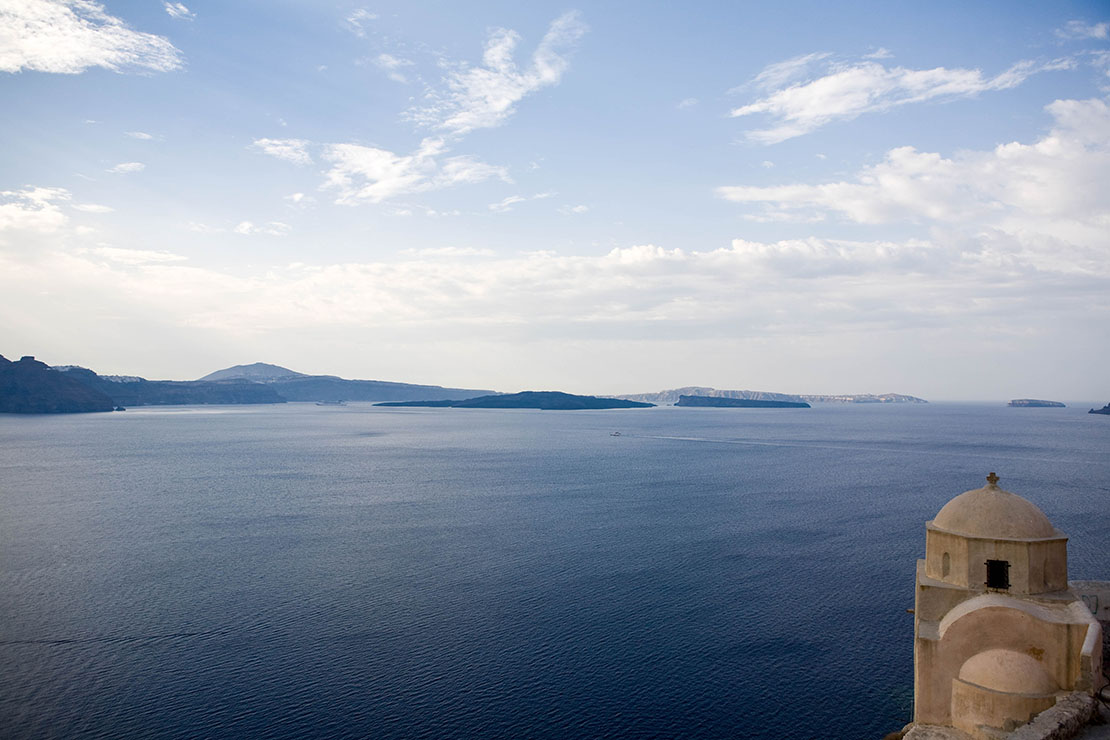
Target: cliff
(1104, 410)
(672, 396)
(545, 400)
(31, 387)
(739, 403)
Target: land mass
(672, 396)
(739, 403)
(294, 386)
(1035, 403)
(135, 391)
(545, 400)
(31, 387)
(1104, 410)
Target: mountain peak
(259, 371)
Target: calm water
(301, 571)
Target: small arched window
(945, 565)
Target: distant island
(672, 396)
(32, 387)
(294, 386)
(1035, 403)
(739, 403)
(545, 400)
(1104, 410)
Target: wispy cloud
(291, 150)
(273, 228)
(126, 168)
(847, 90)
(1081, 30)
(393, 66)
(92, 208)
(359, 21)
(141, 135)
(573, 210)
(485, 96)
(69, 36)
(687, 103)
(179, 11)
(508, 203)
(448, 252)
(369, 174)
(135, 256)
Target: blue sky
(613, 197)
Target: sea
(300, 571)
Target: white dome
(991, 512)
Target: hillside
(259, 372)
(31, 387)
(133, 391)
(294, 386)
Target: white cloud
(849, 90)
(92, 208)
(273, 228)
(359, 20)
(484, 96)
(179, 11)
(291, 150)
(369, 174)
(134, 256)
(1081, 30)
(880, 53)
(1063, 178)
(33, 209)
(573, 210)
(507, 204)
(125, 168)
(141, 135)
(69, 36)
(687, 103)
(393, 65)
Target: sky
(615, 197)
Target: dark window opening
(998, 574)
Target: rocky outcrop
(1104, 410)
(1035, 403)
(31, 387)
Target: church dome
(1007, 671)
(993, 513)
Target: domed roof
(991, 512)
(1008, 671)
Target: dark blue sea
(300, 571)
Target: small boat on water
(331, 403)
(614, 434)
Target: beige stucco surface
(989, 659)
